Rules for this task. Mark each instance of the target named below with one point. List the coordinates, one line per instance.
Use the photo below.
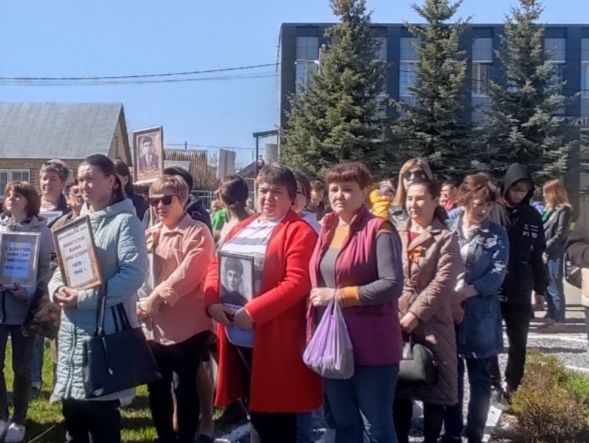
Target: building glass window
(407, 78)
(555, 49)
(8, 175)
(305, 69)
(480, 78)
(482, 63)
(585, 79)
(307, 62)
(409, 61)
(381, 51)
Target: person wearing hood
(525, 270)
(21, 206)
(122, 259)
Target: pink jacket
(181, 258)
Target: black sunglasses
(166, 200)
(419, 174)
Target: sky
(59, 38)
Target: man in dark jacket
(525, 271)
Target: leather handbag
(418, 366)
(118, 361)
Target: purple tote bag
(330, 352)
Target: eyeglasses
(417, 174)
(165, 200)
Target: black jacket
(556, 229)
(525, 270)
(197, 211)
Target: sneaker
(15, 433)
(553, 328)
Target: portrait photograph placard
(148, 148)
(19, 257)
(236, 287)
(76, 254)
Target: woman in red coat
(261, 343)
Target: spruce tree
(434, 125)
(521, 125)
(336, 117)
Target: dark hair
(29, 192)
(57, 167)
(317, 185)
(448, 183)
(475, 186)
(278, 175)
(233, 191)
(234, 264)
(107, 167)
(123, 170)
(349, 172)
(303, 182)
(147, 138)
(177, 170)
(70, 185)
(433, 190)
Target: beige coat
(431, 264)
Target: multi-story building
(567, 47)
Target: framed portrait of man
(76, 254)
(236, 287)
(149, 154)
(19, 256)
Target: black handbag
(418, 366)
(118, 361)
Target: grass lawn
(44, 422)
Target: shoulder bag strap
(100, 310)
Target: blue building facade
(567, 48)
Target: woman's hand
(67, 297)
(409, 322)
(217, 313)
(17, 292)
(149, 306)
(321, 296)
(468, 292)
(243, 319)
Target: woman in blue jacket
(484, 249)
(122, 258)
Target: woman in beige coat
(431, 264)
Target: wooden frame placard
(19, 258)
(236, 279)
(76, 254)
(148, 150)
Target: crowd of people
(420, 263)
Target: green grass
(44, 421)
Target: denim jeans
(22, 349)
(555, 290)
(363, 404)
(37, 363)
(479, 380)
(304, 427)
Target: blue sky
(119, 37)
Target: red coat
(280, 381)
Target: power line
(133, 81)
(133, 76)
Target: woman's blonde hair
(555, 194)
(401, 194)
(171, 183)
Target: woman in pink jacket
(174, 310)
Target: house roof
(57, 130)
